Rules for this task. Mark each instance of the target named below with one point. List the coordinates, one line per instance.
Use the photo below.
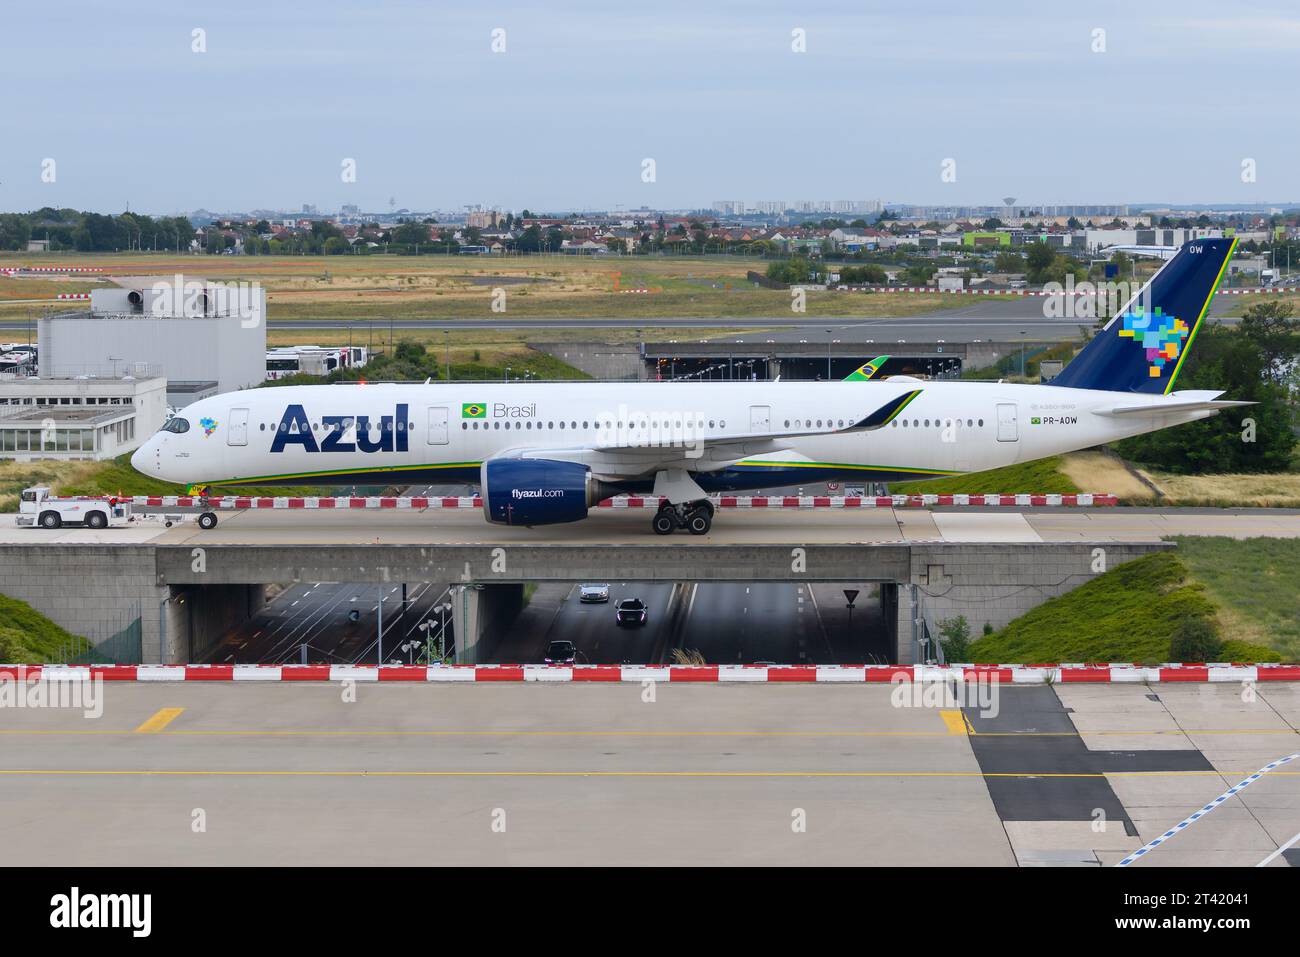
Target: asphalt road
(740, 623)
(592, 629)
(485, 774)
(317, 616)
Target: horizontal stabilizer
(1172, 408)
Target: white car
(590, 594)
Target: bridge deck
(741, 527)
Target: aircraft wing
(628, 459)
(878, 419)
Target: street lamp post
(380, 658)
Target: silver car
(589, 594)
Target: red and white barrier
(930, 290)
(17, 270)
(1019, 500)
(771, 674)
(73, 295)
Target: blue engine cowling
(537, 491)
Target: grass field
(454, 287)
(1131, 613)
(1276, 489)
(1044, 476)
(1256, 584)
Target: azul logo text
(343, 433)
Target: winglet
(885, 414)
(868, 371)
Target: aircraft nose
(140, 457)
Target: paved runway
(739, 526)
(565, 774)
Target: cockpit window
(176, 424)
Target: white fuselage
(626, 432)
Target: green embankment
(27, 636)
(1256, 583)
(1042, 476)
(1128, 614)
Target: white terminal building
(78, 418)
(204, 337)
(106, 377)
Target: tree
(1273, 330)
(408, 234)
(1038, 260)
(868, 274)
(1232, 362)
(1195, 639)
(1123, 263)
(1008, 261)
(955, 637)
(792, 271)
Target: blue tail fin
(1144, 345)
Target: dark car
(560, 653)
(630, 611)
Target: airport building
(190, 331)
(78, 418)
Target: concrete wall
(481, 614)
(86, 588)
(996, 582)
(600, 360)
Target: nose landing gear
(696, 517)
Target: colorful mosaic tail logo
(1161, 335)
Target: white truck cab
(38, 507)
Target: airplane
(546, 452)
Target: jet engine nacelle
(538, 491)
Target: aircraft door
(237, 433)
(760, 418)
(1008, 427)
(438, 425)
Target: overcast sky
(711, 90)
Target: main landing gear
(696, 517)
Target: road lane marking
(136, 772)
(1272, 857)
(506, 732)
(160, 720)
(1192, 818)
(955, 722)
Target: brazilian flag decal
(473, 410)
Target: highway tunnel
(712, 622)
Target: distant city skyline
(586, 106)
